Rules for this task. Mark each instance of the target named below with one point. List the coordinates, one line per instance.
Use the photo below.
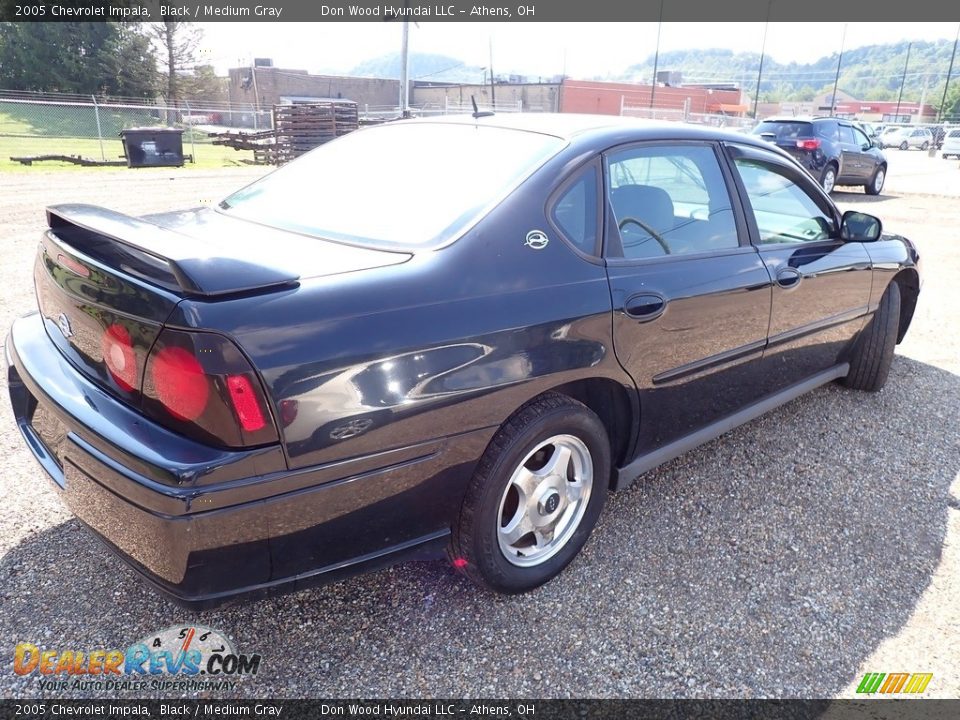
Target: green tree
(204, 85)
(178, 43)
(76, 57)
(129, 65)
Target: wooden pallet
(302, 127)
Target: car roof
(570, 126)
(790, 118)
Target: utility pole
(656, 58)
(836, 80)
(493, 90)
(903, 80)
(405, 70)
(763, 51)
(943, 100)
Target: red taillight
(200, 384)
(180, 382)
(808, 144)
(245, 403)
(118, 356)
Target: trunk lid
(107, 282)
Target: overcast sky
(580, 49)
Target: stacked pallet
(302, 127)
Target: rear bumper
(205, 524)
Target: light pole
(903, 80)
(943, 100)
(763, 50)
(836, 80)
(656, 57)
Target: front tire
(903, 145)
(535, 496)
(873, 351)
(925, 145)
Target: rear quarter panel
(452, 341)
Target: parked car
(951, 144)
(908, 137)
(833, 151)
(374, 353)
(870, 130)
(889, 137)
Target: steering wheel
(646, 228)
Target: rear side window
(575, 211)
(784, 131)
(954, 134)
(846, 135)
(828, 130)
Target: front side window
(860, 138)
(670, 200)
(784, 211)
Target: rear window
(397, 185)
(784, 131)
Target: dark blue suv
(834, 151)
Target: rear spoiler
(160, 256)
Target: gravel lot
(784, 559)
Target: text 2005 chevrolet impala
(436, 336)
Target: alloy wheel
(544, 501)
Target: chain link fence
(684, 115)
(35, 124)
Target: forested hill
(872, 72)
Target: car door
(821, 284)
(851, 167)
(868, 157)
(691, 297)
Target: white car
(951, 144)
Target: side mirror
(860, 227)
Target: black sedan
(436, 337)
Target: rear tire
(829, 178)
(535, 496)
(873, 351)
(925, 145)
(875, 186)
(903, 145)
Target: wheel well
(610, 401)
(909, 282)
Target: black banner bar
(459, 11)
(452, 709)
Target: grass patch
(206, 155)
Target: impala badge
(63, 322)
(537, 239)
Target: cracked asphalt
(784, 559)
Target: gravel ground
(784, 559)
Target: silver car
(909, 138)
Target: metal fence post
(193, 149)
(96, 113)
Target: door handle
(788, 277)
(645, 306)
